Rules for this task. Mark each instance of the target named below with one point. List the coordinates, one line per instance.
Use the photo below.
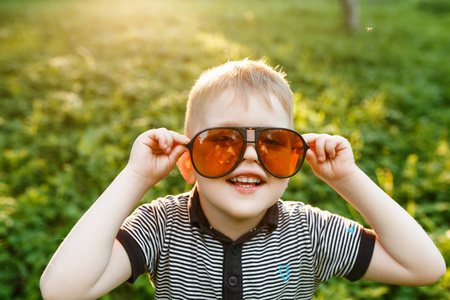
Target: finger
(174, 139)
(162, 140)
(176, 153)
(342, 144)
(330, 146)
(179, 138)
(311, 158)
(148, 138)
(166, 141)
(320, 143)
(156, 139)
(310, 138)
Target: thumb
(176, 153)
(311, 158)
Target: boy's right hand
(90, 262)
(155, 153)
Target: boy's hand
(155, 153)
(330, 157)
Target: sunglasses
(215, 152)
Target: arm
(90, 262)
(403, 254)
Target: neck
(230, 226)
(233, 230)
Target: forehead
(249, 110)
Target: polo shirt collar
(198, 219)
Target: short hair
(243, 78)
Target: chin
(242, 213)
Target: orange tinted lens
(281, 151)
(216, 151)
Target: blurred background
(80, 80)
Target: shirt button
(235, 249)
(232, 280)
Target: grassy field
(80, 80)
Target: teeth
(246, 180)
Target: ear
(187, 170)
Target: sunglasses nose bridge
(247, 152)
(250, 135)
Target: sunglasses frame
(244, 133)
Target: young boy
(231, 237)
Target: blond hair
(242, 78)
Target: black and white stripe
(308, 247)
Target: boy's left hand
(330, 157)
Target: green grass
(79, 80)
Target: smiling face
(244, 195)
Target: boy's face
(231, 200)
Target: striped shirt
(293, 250)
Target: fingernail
(321, 158)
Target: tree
(351, 14)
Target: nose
(250, 153)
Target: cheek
(278, 187)
(286, 183)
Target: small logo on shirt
(284, 272)
(351, 229)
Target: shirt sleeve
(142, 236)
(341, 247)
(364, 255)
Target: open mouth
(246, 181)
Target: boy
(231, 237)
